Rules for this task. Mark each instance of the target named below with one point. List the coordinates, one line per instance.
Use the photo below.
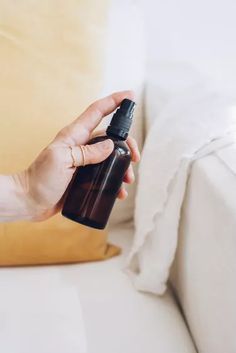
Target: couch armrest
(204, 271)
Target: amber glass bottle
(93, 190)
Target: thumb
(91, 154)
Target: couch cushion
(39, 313)
(40, 310)
(205, 268)
(120, 319)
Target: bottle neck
(117, 133)
(121, 120)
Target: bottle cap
(122, 120)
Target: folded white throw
(195, 123)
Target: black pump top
(121, 120)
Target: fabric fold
(197, 122)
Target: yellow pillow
(51, 57)
(55, 241)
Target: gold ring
(83, 154)
(77, 155)
(72, 156)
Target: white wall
(201, 33)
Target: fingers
(91, 154)
(98, 133)
(122, 195)
(79, 131)
(131, 142)
(96, 111)
(133, 146)
(129, 175)
(129, 179)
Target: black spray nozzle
(127, 106)
(121, 120)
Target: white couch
(116, 317)
(93, 307)
(205, 266)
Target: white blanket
(195, 123)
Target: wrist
(21, 195)
(31, 210)
(14, 202)
(26, 206)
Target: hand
(46, 180)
